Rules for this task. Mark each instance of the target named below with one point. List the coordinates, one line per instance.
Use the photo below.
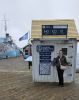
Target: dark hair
(61, 50)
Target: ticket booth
(48, 37)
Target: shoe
(62, 85)
(59, 84)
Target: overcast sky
(19, 14)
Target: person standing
(61, 61)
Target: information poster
(45, 59)
(45, 69)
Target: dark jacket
(62, 60)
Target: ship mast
(5, 25)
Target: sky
(20, 13)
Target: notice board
(54, 29)
(45, 59)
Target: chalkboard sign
(54, 29)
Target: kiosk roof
(37, 29)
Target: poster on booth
(45, 59)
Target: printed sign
(45, 48)
(54, 29)
(45, 59)
(45, 69)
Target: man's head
(60, 53)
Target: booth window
(64, 50)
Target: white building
(48, 37)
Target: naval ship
(8, 48)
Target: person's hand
(69, 64)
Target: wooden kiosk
(48, 37)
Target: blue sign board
(54, 29)
(45, 48)
(45, 59)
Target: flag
(24, 37)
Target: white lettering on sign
(54, 29)
(59, 26)
(46, 31)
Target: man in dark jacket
(60, 59)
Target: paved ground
(13, 65)
(16, 84)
